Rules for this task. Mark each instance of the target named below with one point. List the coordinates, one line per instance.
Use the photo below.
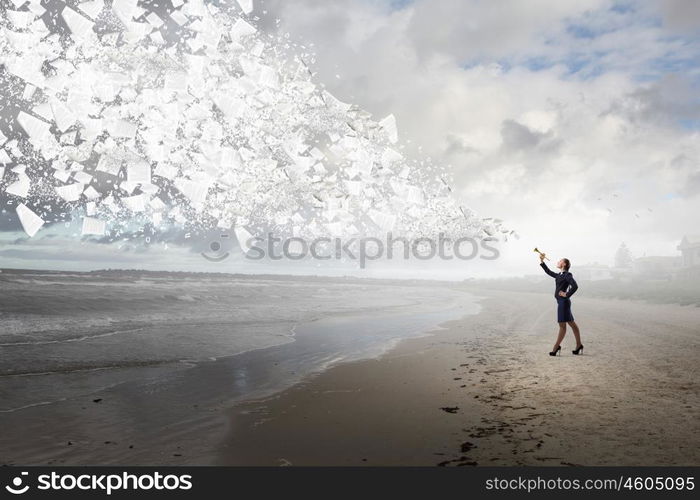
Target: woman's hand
(541, 257)
(562, 294)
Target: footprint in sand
(450, 409)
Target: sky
(577, 123)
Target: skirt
(564, 310)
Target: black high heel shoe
(555, 351)
(578, 350)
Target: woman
(565, 286)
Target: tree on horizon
(623, 256)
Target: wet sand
(484, 391)
(116, 370)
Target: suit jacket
(563, 282)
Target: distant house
(657, 267)
(690, 250)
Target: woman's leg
(577, 332)
(562, 332)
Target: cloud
(563, 115)
(517, 136)
(681, 15)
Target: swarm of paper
(190, 116)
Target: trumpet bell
(541, 253)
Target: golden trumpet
(542, 254)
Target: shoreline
(484, 391)
(121, 423)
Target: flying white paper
(31, 222)
(92, 226)
(198, 120)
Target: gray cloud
(681, 15)
(519, 137)
(692, 185)
(669, 101)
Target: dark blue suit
(563, 282)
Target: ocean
(149, 342)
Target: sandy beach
(484, 391)
(289, 371)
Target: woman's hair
(567, 264)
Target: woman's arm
(573, 286)
(546, 270)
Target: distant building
(690, 250)
(657, 267)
